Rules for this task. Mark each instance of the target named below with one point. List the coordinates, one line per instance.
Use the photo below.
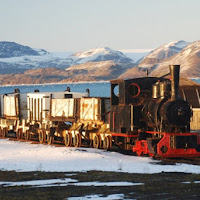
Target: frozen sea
(98, 89)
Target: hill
(161, 53)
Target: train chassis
(99, 136)
(76, 135)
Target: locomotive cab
(127, 99)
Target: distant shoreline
(80, 82)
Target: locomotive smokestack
(174, 71)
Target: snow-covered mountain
(99, 64)
(15, 57)
(100, 54)
(161, 53)
(188, 58)
(95, 64)
(22, 64)
(12, 49)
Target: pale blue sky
(76, 25)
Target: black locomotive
(149, 113)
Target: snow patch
(66, 182)
(109, 184)
(24, 156)
(37, 182)
(99, 197)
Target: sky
(77, 25)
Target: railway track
(173, 161)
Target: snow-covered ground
(24, 156)
(66, 182)
(99, 197)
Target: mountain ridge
(12, 49)
(161, 53)
(41, 66)
(97, 64)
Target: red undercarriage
(167, 146)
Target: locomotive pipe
(174, 71)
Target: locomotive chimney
(174, 71)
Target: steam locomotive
(143, 115)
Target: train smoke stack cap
(174, 71)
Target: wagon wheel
(42, 137)
(107, 142)
(4, 132)
(27, 135)
(90, 143)
(0, 132)
(50, 139)
(22, 136)
(96, 141)
(19, 134)
(77, 140)
(68, 139)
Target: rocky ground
(147, 186)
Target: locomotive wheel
(97, 142)
(68, 139)
(4, 132)
(77, 140)
(27, 135)
(50, 139)
(107, 142)
(151, 155)
(139, 153)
